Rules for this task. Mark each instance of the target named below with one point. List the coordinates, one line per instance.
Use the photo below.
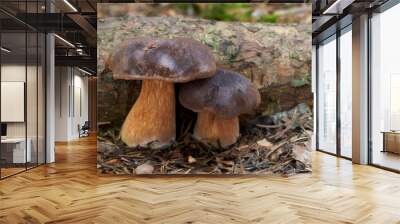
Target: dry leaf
(191, 160)
(144, 169)
(112, 161)
(265, 143)
(301, 153)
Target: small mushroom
(219, 101)
(159, 63)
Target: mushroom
(159, 63)
(219, 101)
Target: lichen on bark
(276, 58)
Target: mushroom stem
(216, 131)
(151, 121)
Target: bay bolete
(219, 101)
(159, 63)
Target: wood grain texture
(70, 191)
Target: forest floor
(277, 144)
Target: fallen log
(276, 58)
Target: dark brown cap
(227, 94)
(173, 60)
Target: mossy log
(276, 58)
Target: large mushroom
(159, 63)
(219, 101)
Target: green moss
(211, 41)
(227, 12)
(230, 49)
(294, 55)
(187, 7)
(211, 38)
(244, 17)
(269, 18)
(305, 80)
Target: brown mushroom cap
(173, 60)
(227, 94)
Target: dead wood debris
(279, 144)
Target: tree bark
(276, 58)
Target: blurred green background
(244, 12)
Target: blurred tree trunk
(276, 58)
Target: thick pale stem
(151, 121)
(216, 131)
